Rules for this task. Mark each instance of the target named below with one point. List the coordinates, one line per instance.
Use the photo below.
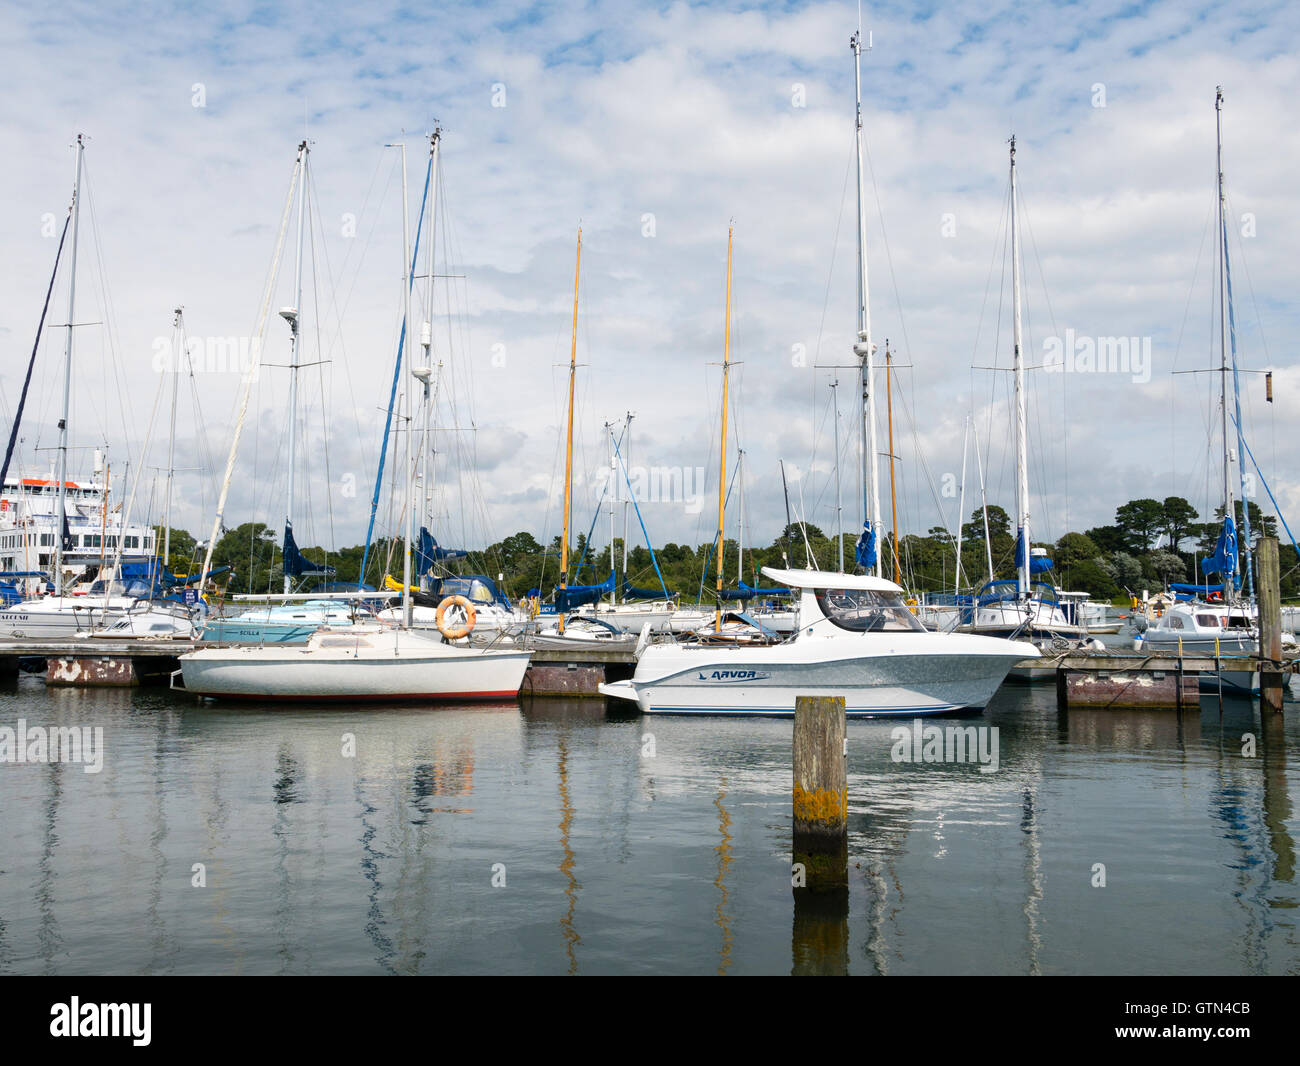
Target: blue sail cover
(427, 552)
(1022, 549)
(1224, 560)
(296, 564)
(631, 592)
(1040, 564)
(577, 595)
(747, 592)
(865, 551)
(1205, 589)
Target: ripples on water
(618, 861)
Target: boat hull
(21, 622)
(339, 669)
(873, 686)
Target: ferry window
(867, 611)
(47, 540)
(133, 542)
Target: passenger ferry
(29, 525)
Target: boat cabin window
(1208, 621)
(867, 611)
(1175, 621)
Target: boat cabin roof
(829, 579)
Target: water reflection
(571, 937)
(321, 862)
(723, 851)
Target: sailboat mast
(1228, 509)
(407, 270)
(179, 326)
(839, 498)
(294, 317)
(426, 333)
(961, 507)
(1022, 456)
(67, 376)
(893, 496)
(864, 349)
(568, 451)
(627, 437)
(722, 467)
(740, 534)
(613, 504)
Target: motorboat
(856, 639)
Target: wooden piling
(1271, 678)
(820, 796)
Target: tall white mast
(67, 375)
(178, 324)
(406, 393)
(864, 349)
(839, 499)
(740, 535)
(1022, 457)
(613, 502)
(961, 506)
(627, 439)
(293, 315)
(1228, 509)
(426, 332)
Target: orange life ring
(465, 628)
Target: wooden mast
(722, 469)
(568, 452)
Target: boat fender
(455, 632)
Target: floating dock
(1082, 679)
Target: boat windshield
(868, 611)
(472, 589)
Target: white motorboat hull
(356, 666)
(894, 682)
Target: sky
(654, 128)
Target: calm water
(619, 862)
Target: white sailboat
(362, 662)
(1031, 612)
(1217, 620)
(59, 614)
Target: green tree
(1090, 576)
(1167, 567)
(251, 553)
(1141, 521)
(1179, 518)
(1074, 548)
